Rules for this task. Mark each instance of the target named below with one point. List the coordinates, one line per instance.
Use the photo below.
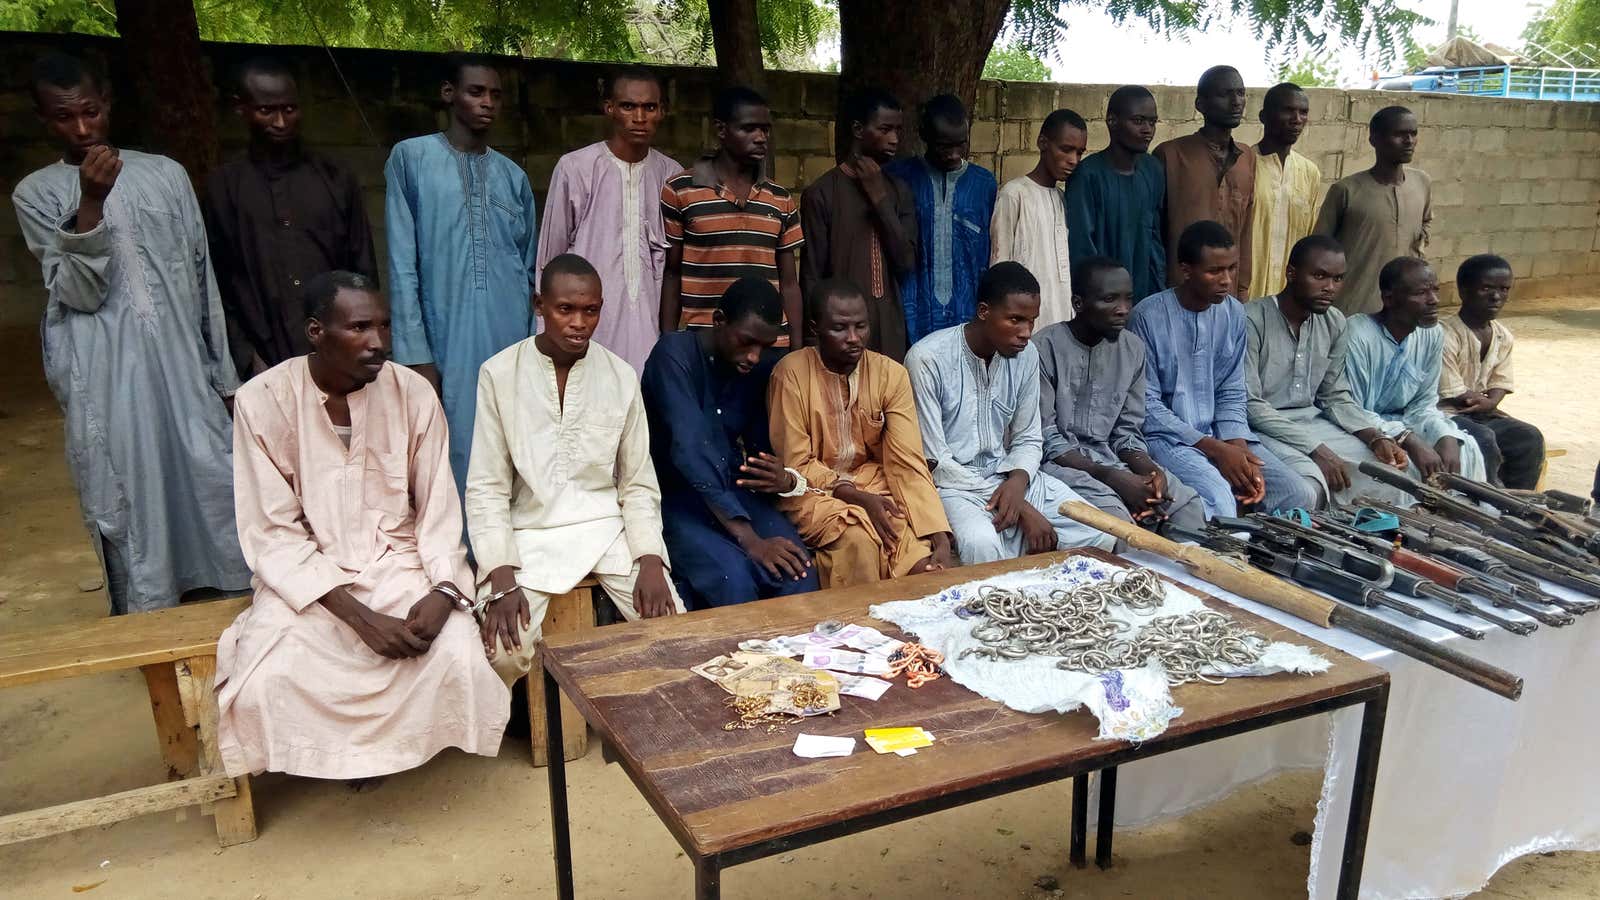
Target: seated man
(357, 657)
(560, 484)
(1195, 420)
(1300, 403)
(843, 417)
(705, 392)
(1476, 375)
(1393, 367)
(1091, 405)
(977, 393)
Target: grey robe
(136, 352)
(1300, 398)
(1091, 400)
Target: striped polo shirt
(725, 239)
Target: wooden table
(732, 797)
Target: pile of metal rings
(1074, 624)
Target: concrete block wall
(1519, 178)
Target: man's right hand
(1426, 460)
(1238, 466)
(430, 372)
(1139, 493)
(98, 173)
(1333, 468)
(1388, 452)
(504, 621)
(779, 556)
(881, 509)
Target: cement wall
(1519, 178)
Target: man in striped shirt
(724, 221)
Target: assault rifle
(1511, 505)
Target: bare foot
(365, 785)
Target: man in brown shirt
(861, 224)
(1209, 175)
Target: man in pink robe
(358, 656)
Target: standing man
(1476, 375)
(1300, 401)
(705, 392)
(844, 418)
(1091, 404)
(955, 201)
(1381, 214)
(1210, 176)
(1196, 420)
(357, 657)
(724, 220)
(1114, 200)
(276, 217)
(135, 349)
(1030, 220)
(1393, 366)
(1286, 186)
(861, 223)
(461, 248)
(605, 205)
(977, 392)
(561, 485)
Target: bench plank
(29, 656)
(38, 823)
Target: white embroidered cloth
(1131, 704)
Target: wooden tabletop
(719, 790)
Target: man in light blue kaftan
(1393, 365)
(977, 392)
(462, 249)
(1196, 424)
(955, 201)
(135, 350)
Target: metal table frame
(708, 868)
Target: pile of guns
(1446, 553)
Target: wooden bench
(569, 612)
(176, 649)
(1552, 453)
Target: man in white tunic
(977, 392)
(561, 484)
(357, 657)
(1030, 215)
(133, 314)
(605, 205)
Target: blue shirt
(1194, 370)
(1119, 215)
(460, 230)
(705, 418)
(953, 213)
(1398, 380)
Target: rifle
(1515, 532)
(1299, 602)
(1451, 578)
(1336, 568)
(1498, 559)
(1511, 505)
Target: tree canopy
(1010, 62)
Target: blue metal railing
(1519, 82)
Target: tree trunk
(171, 85)
(736, 35)
(914, 50)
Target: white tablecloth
(1467, 781)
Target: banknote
(863, 686)
(869, 639)
(846, 661)
(746, 674)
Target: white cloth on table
(1130, 704)
(1467, 781)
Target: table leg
(556, 769)
(1108, 815)
(1373, 713)
(707, 878)
(1077, 847)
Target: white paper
(909, 751)
(862, 686)
(817, 746)
(869, 640)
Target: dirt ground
(463, 826)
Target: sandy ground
(464, 826)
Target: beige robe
(861, 430)
(559, 490)
(299, 692)
(1030, 227)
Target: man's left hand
(765, 474)
(1038, 535)
(1449, 450)
(428, 615)
(1008, 501)
(651, 595)
(869, 175)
